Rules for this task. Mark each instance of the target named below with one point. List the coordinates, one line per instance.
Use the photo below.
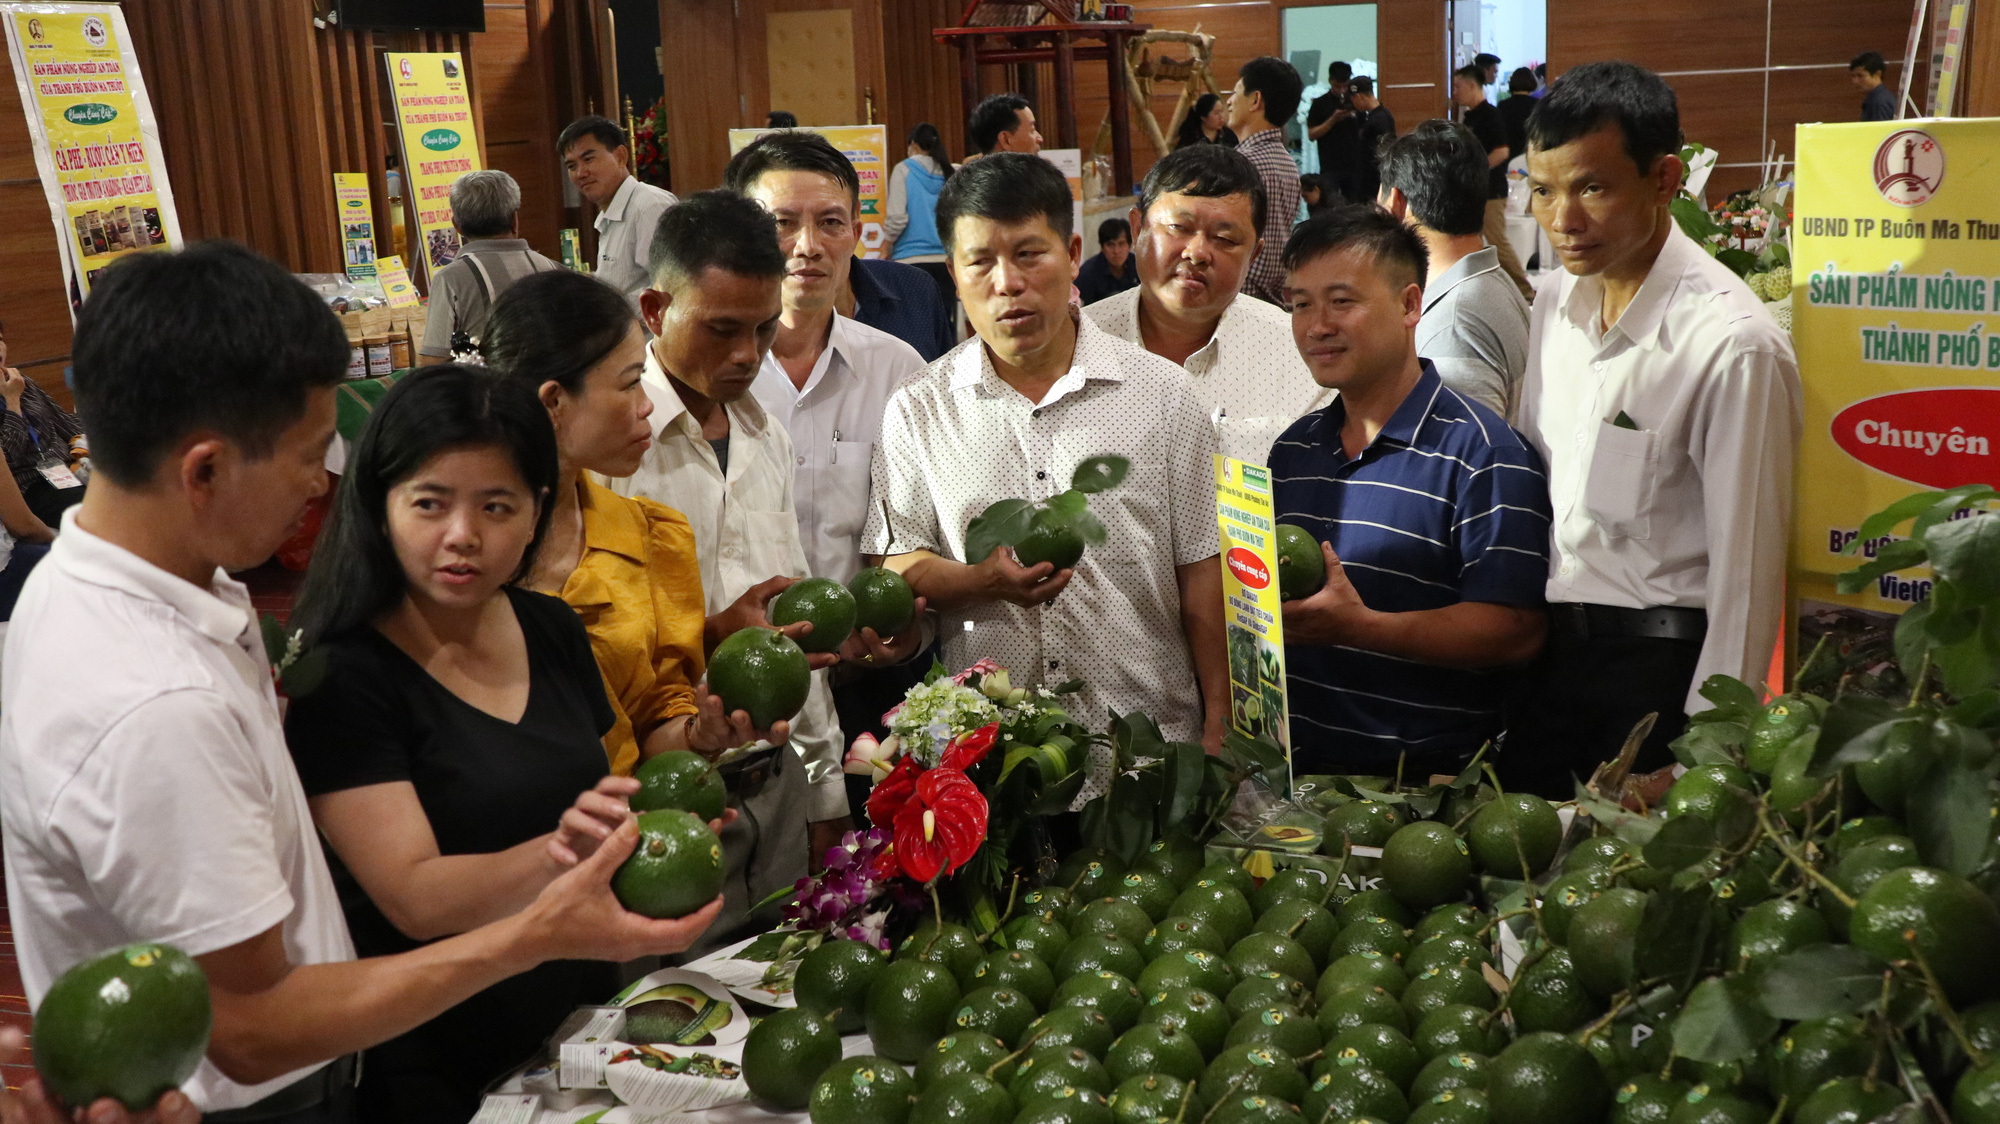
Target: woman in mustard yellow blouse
(627, 566)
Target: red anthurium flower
(892, 792)
(970, 749)
(941, 826)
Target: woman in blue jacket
(913, 194)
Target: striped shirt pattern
(1447, 504)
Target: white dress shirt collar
(221, 612)
(614, 210)
(1583, 297)
(972, 365)
(746, 414)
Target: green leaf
(1630, 826)
(1950, 504)
(1056, 799)
(1740, 262)
(306, 673)
(1912, 640)
(1732, 696)
(1694, 219)
(1070, 502)
(1972, 663)
(1100, 474)
(1721, 1022)
(1681, 842)
(274, 637)
(1966, 552)
(1887, 519)
(1187, 769)
(765, 948)
(1891, 556)
(1067, 687)
(1950, 816)
(1002, 524)
(1820, 980)
(1975, 710)
(1710, 743)
(1856, 728)
(1088, 527)
(1675, 933)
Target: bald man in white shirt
(1666, 403)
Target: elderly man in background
(485, 207)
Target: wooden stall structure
(992, 32)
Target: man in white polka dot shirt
(1011, 413)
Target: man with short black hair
(1266, 96)
(594, 155)
(1432, 517)
(721, 459)
(1003, 123)
(1485, 123)
(1515, 108)
(484, 207)
(1013, 413)
(1377, 125)
(1110, 270)
(146, 792)
(1667, 403)
(1198, 215)
(1333, 123)
(1475, 325)
(1488, 66)
(825, 380)
(1865, 72)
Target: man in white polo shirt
(1012, 413)
(146, 793)
(594, 155)
(1195, 235)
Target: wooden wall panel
(516, 99)
(705, 91)
(1409, 48)
(1662, 34)
(245, 145)
(920, 75)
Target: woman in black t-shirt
(458, 719)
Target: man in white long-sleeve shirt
(1666, 403)
(721, 459)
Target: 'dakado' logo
(1909, 167)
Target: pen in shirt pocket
(835, 458)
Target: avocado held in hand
(762, 672)
(824, 602)
(1056, 531)
(129, 1025)
(1301, 564)
(675, 870)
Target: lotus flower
(940, 827)
(867, 757)
(969, 750)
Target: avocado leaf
(1721, 1022)
(1003, 524)
(1820, 980)
(1069, 502)
(1100, 474)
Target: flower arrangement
(649, 146)
(1749, 233)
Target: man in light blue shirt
(594, 154)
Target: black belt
(307, 1092)
(1661, 622)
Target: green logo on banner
(439, 140)
(89, 113)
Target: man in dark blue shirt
(1433, 517)
(1877, 104)
(1111, 269)
(903, 301)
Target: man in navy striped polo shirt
(1432, 514)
